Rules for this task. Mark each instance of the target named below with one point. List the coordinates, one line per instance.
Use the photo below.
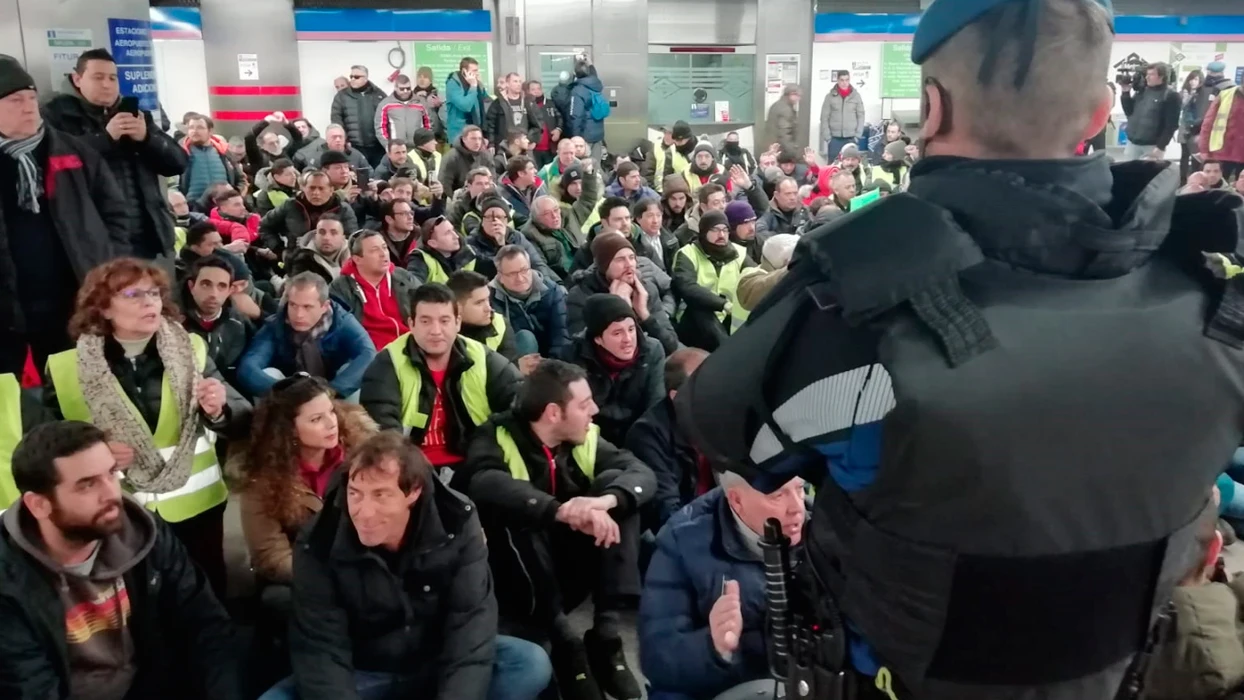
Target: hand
(621, 289)
(578, 508)
(809, 156)
(555, 135)
(528, 363)
(587, 164)
(437, 189)
(728, 307)
(437, 101)
(639, 300)
(265, 253)
(725, 621)
(739, 177)
(211, 395)
(912, 150)
(239, 246)
(273, 119)
(472, 79)
(122, 125)
(245, 305)
(775, 148)
(352, 193)
(623, 159)
(122, 453)
(1156, 154)
(603, 528)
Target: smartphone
(128, 104)
(362, 176)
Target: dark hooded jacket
(356, 111)
(591, 281)
(137, 168)
(183, 640)
(579, 121)
(257, 158)
(280, 229)
(486, 249)
(458, 162)
(542, 312)
(1152, 115)
(313, 145)
(626, 395)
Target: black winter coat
(499, 122)
(656, 441)
(87, 210)
(257, 158)
(280, 229)
(227, 339)
(184, 644)
(346, 290)
(457, 163)
(590, 281)
(137, 168)
(626, 397)
(426, 612)
(356, 111)
(381, 393)
(1153, 115)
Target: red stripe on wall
(249, 91)
(225, 115)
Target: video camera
(1130, 72)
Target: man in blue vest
(986, 378)
(568, 503)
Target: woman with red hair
(139, 376)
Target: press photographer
(1152, 107)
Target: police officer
(990, 380)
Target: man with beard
(617, 270)
(893, 168)
(424, 158)
(280, 229)
(207, 300)
(323, 251)
(672, 158)
(850, 160)
(550, 123)
(629, 184)
(786, 213)
(355, 109)
(675, 201)
(208, 158)
(467, 154)
(744, 230)
(706, 278)
(98, 598)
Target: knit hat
(571, 175)
(606, 246)
(739, 212)
(681, 130)
(491, 200)
(602, 311)
(673, 184)
(13, 77)
(705, 147)
(424, 72)
(849, 151)
(779, 249)
(711, 220)
(333, 158)
(897, 150)
(422, 136)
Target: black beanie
(491, 200)
(422, 136)
(602, 311)
(712, 219)
(681, 130)
(571, 175)
(333, 158)
(13, 77)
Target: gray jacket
(842, 117)
(781, 124)
(396, 119)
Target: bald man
(656, 441)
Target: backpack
(598, 109)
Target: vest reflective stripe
(10, 435)
(498, 325)
(204, 489)
(584, 455)
(1218, 135)
(724, 283)
(436, 271)
(277, 198)
(423, 169)
(474, 383)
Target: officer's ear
(1101, 113)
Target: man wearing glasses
(495, 232)
(398, 226)
(355, 109)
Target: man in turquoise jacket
(464, 99)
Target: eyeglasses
(358, 77)
(516, 274)
(403, 213)
(719, 229)
(139, 295)
(496, 217)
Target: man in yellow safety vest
(479, 322)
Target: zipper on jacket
(531, 584)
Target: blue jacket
(346, 348)
(698, 548)
(579, 122)
(644, 192)
(463, 106)
(544, 316)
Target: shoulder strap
(902, 250)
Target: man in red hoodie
(231, 218)
(376, 292)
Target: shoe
(609, 664)
(1228, 532)
(573, 671)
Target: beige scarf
(150, 472)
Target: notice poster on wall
(248, 66)
(721, 111)
(443, 58)
(1186, 57)
(900, 78)
(861, 74)
(64, 47)
(781, 69)
(130, 42)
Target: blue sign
(1239, 76)
(130, 43)
(699, 111)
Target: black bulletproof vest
(1048, 458)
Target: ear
(39, 506)
(934, 112)
(413, 496)
(1101, 114)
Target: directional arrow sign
(248, 66)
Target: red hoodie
(232, 230)
(382, 318)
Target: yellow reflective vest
(498, 325)
(584, 455)
(10, 435)
(678, 162)
(436, 271)
(204, 489)
(473, 385)
(723, 283)
(277, 197)
(423, 169)
(179, 238)
(1218, 133)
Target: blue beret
(1216, 67)
(946, 17)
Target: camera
(1130, 72)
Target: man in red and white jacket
(376, 292)
(401, 114)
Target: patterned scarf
(29, 186)
(112, 413)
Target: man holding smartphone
(136, 151)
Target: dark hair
(463, 282)
(207, 121)
(397, 142)
(676, 366)
(1212, 161)
(477, 172)
(431, 293)
(330, 216)
(386, 209)
(413, 469)
(467, 61)
(514, 136)
(548, 383)
(842, 73)
(516, 165)
(198, 231)
(399, 181)
(625, 168)
(611, 203)
(357, 238)
(707, 191)
(527, 85)
(209, 261)
(787, 156)
(402, 79)
(34, 460)
(280, 165)
(225, 195)
(92, 55)
(643, 205)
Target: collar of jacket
(732, 542)
(193, 315)
(458, 360)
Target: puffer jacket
(698, 548)
(345, 348)
(1203, 656)
(543, 313)
(588, 282)
(557, 247)
(396, 119)
(579, 121)
(312, 156)
(226, 338)
(458, 162)
(777, 221)
(624, 396)
(1232, 150)
(356, 111)
(435, 622)
(842, 117)
(464, 105)
(312, 146)
(486, 249)
(137, 168)
(1152, 115)
(280, 229)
